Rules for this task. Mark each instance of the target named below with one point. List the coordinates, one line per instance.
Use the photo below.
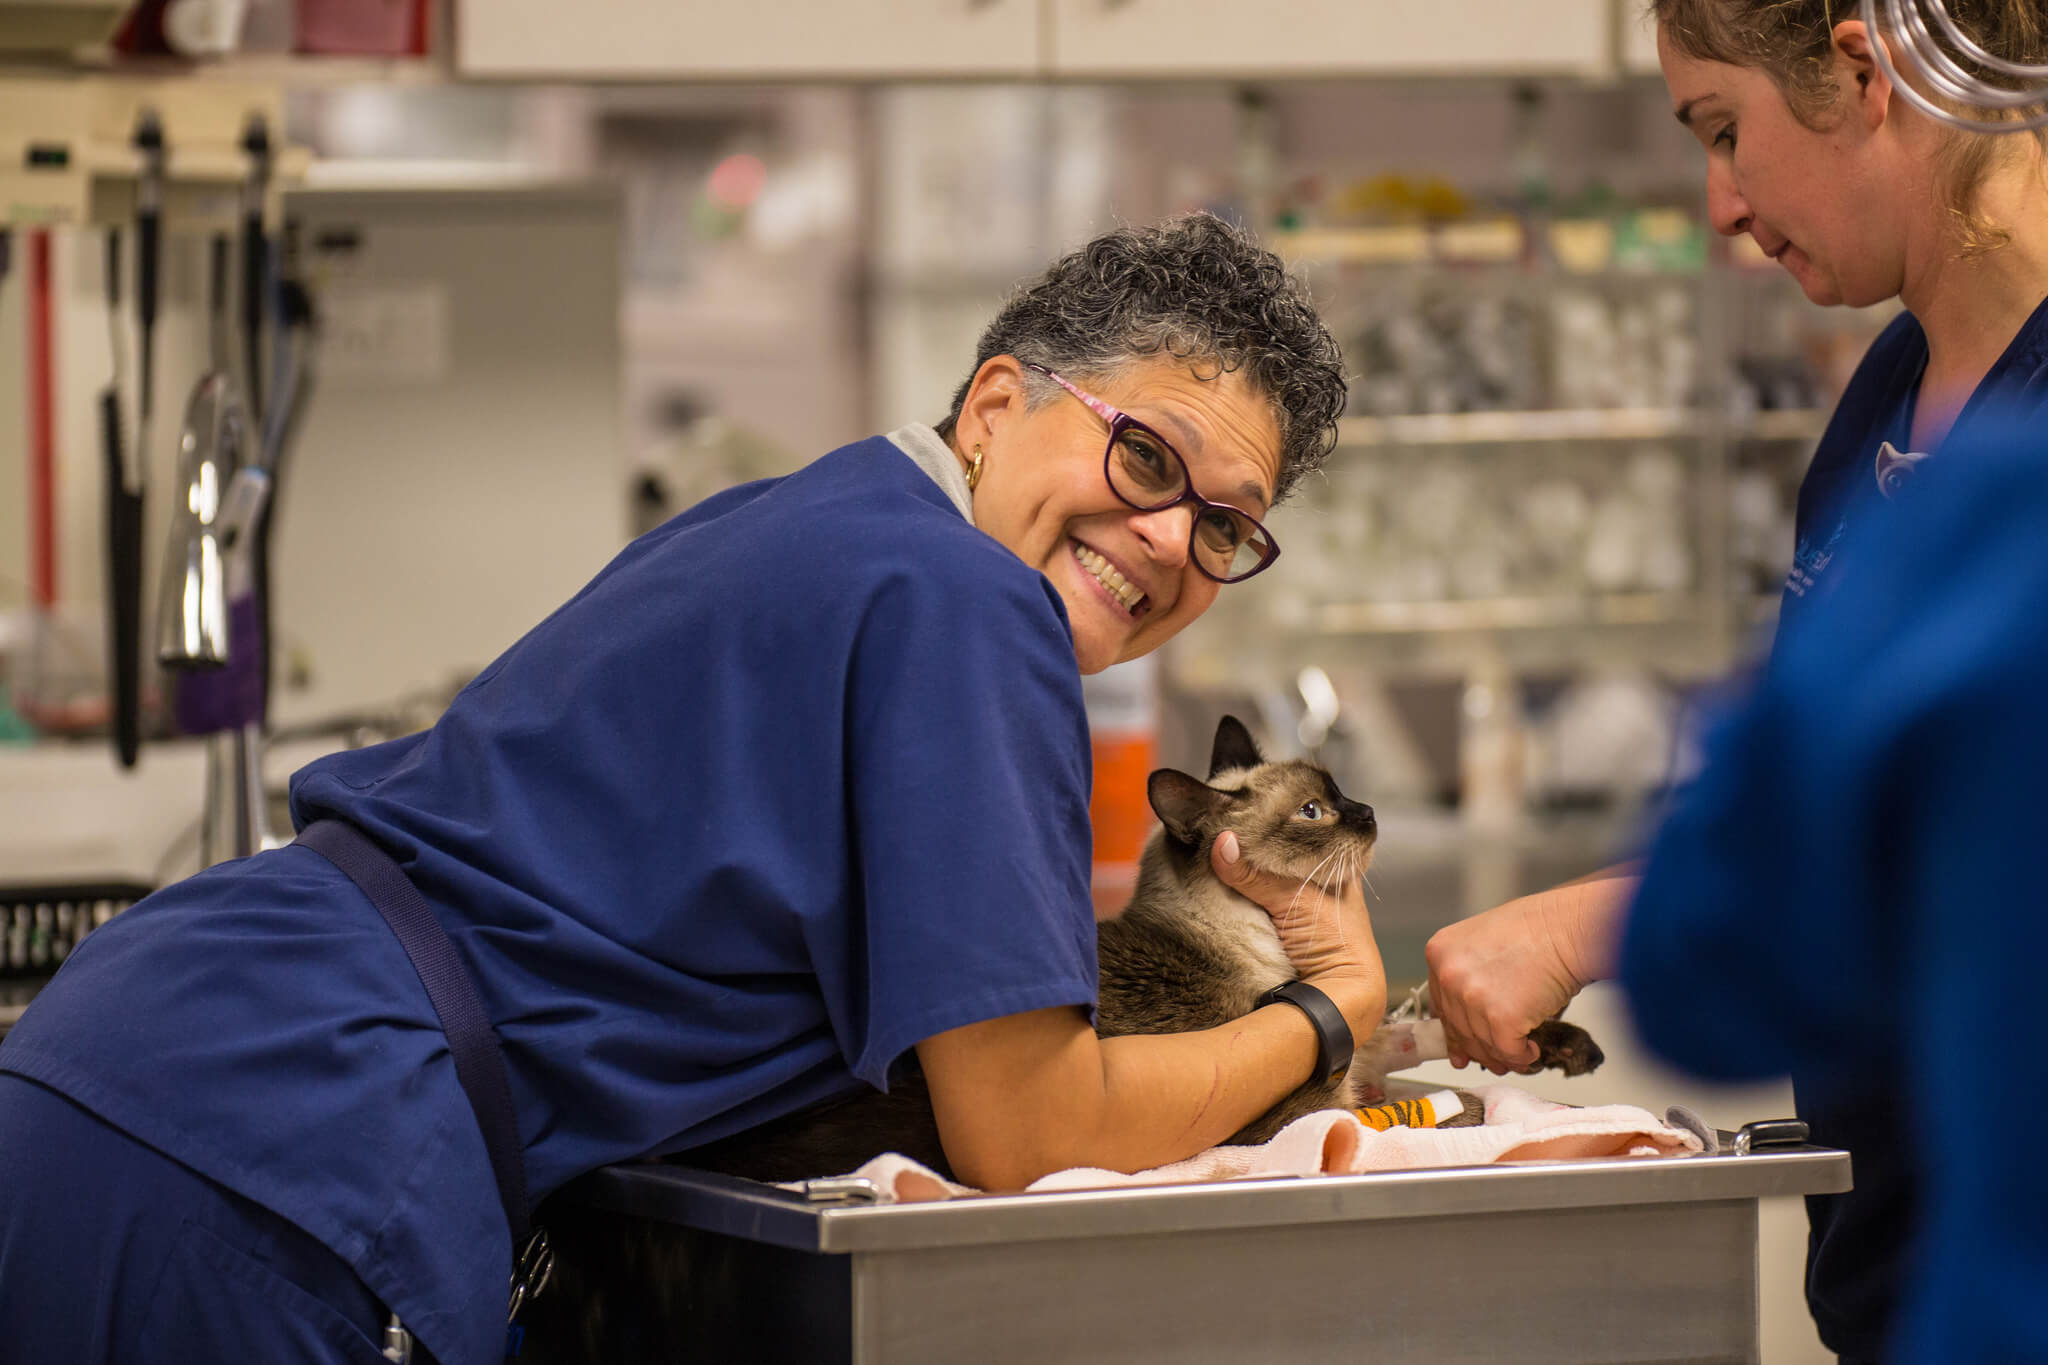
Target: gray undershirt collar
(937, 459)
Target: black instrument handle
(217, 301)
(149, 250)
(217, 276)
(124, 579)
(255, 285)
(255, 258)
(149, 218)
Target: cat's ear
(1182, 802)
(1234, 747)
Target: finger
(1227, 858)
(1501, 1061)
(1523, 1054)
(1450, 1012)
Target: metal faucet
(204, 601)
(212, 618)
(192, 605)
(209, 568)
(213, 613)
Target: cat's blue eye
(1311, 810)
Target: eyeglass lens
(1226, 542)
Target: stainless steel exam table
(1572, 1262)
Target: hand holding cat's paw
(1492, 979)
(1324, 929)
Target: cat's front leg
(1394, 1046)
(1399, 1044)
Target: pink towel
(1518, 1127)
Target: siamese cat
(1187, 953)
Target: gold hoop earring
(974, 470)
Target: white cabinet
(767, 39)
(1307, 38)
(1081, 39)
(1638, 33)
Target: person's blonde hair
(1792, 42)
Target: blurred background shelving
(1578, 417)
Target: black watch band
(1334, 1044)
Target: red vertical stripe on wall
(42, 429)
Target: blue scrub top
(1852, 893)
(1852, 469)
(797, 781)
(1864, 474)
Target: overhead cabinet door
(1638, 41)
(1307, 38)
(757, 39)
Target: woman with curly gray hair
(795, 789)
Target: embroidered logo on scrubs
(1894, 467)
(1811, 559)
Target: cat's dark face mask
(1289, 816)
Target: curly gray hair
(1193, 288)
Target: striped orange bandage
(1427, 1112)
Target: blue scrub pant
(112, 1252)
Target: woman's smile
(1117, 591)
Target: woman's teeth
(1124, 592)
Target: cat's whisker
(1354, 867)
(1344, 874)
(1310, 880)
(1329, 887)
(1293, 903)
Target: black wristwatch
(1334, 1044)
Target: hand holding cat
(1325, 930)
(1496, 976)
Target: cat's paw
(1472, 1112)
(1564, 1047)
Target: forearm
(1584, 919)
(1167, 1097)
(1629, 871)
(1021, 1097)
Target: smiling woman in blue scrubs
(795, 788)
(1813, 153)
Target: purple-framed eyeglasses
(1149, 475)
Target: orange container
(1120, 813)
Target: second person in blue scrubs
(1861, 198)
(1851, 892)
(795, 788)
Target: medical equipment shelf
(288, 71)
(1571, 424)
(66, 156)
(1507, 613)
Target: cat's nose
(1360, 814)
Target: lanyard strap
(479, 1066)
